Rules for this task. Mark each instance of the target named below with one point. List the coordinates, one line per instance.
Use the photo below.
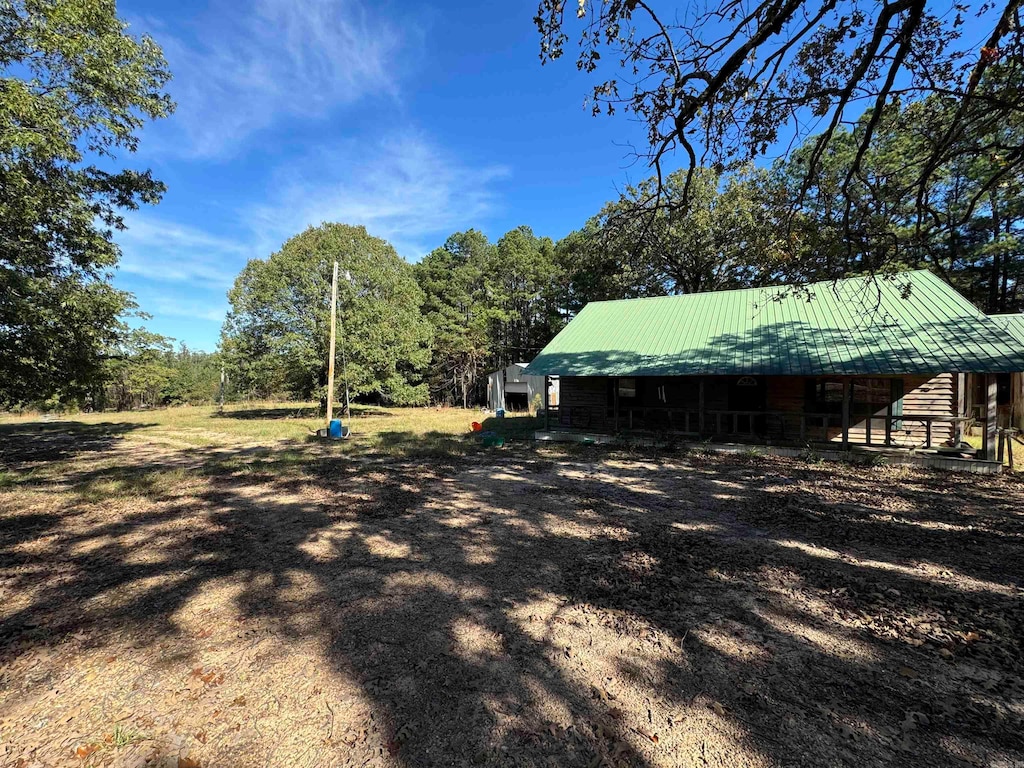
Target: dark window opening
(824, 396)
(517, 401)
(1003, 392)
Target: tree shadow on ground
(512, 608)
(51, 441)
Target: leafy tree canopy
(725, 82)
(278, 328)
(456, 305)
(74, 90)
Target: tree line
(432, 331)
(930, 175)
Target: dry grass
(180, 588)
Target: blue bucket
(334, 430)
(500, 413)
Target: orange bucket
(476, 426)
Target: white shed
(509, 389)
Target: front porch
(931, 459)
(919, 414)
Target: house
(510, 389)
(881, 362)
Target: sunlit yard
(373, 428)
(183, 588)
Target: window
(627, 387)
(824, 396)
(871, 394)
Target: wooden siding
(935, 396)
(584, 403)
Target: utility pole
(330, 360)
(222, 387)
(344, 363)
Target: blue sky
(414, 119)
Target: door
(746, 394)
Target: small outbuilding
(510, 390)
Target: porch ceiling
(913, 323)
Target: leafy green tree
(725, 237)
(595, 266)
(523, 306)
(721, 239)
(280, 317)
(195, 379)
(74, 89)
(724, 83)
(973, 234)
(136, 371)
(456, 306)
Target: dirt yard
(294, 604)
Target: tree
(972, 236)
(729, 81)
(75, 88)
(135, 371)
(523, 305)
(452, 279)
(594, 266)
(722, 239)
(195, 377)
(280, 317)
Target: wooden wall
(936, 395)
(584, 403)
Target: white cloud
(197, 310)
(402, 189)
(283, 58)
(168, 252)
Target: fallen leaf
(188, 762)
(718, 708)
(908, 673)
(87, 749)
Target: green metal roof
(1015, 324)
(913, 323)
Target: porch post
(615, 403)
(700, 406)
(961, 406)
(847, 390)
(888, 420)
(988, 444)
(547, 403)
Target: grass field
(189, 589)
(374, 429)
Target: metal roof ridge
(778, 287)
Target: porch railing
(785, 426)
